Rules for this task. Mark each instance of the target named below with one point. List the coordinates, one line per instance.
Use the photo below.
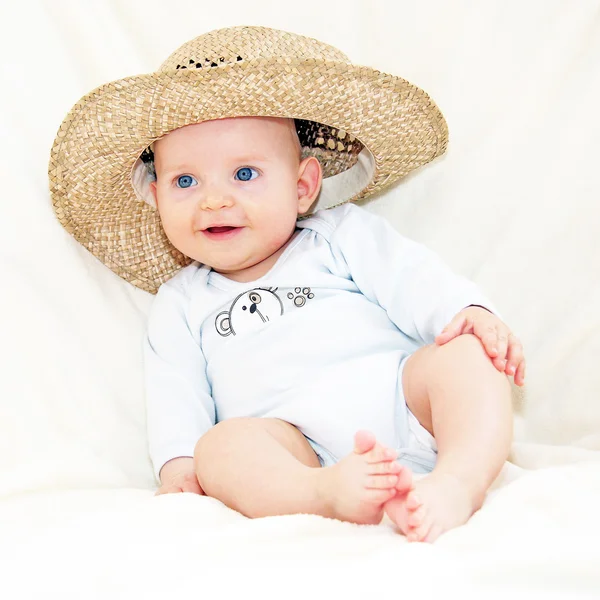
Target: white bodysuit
(319, 341)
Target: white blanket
(514, 205)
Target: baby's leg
(458, 395)
(265, 467)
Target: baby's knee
(463, 353)
(466, 354)
(213, 452)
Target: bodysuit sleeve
(418, 291)
(179, 405)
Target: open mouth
(221, 232)
(222, 229)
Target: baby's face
(229, 191)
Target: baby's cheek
(166, 223)
(176, 231)
(280, 233)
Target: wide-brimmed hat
(367, 128)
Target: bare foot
(433, 505)
(356, 488)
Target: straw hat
(367, 129)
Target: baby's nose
(215, 200)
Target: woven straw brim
(104, 134)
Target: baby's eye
(246, 174)
(185, 181)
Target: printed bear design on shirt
(249, 312)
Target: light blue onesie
(320, 341)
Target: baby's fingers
(488, 335)
(502, 348)
(187, 482)
(453, 329)
(515, 354)
(520, 374)
(516, 360)
(168, 489)
(192, 486)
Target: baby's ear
(153, 190)
(310, 176)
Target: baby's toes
(413, 502)
(416, 518)
(364, 441)
(420, 532)
(434, 533)
(405, 483)
(385, 467)
(380, 454)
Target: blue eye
(245, 174)
(185, 181)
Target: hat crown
(238, 44)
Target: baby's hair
(332, 147)
(147, 157)
(297, 141)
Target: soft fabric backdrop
(514, 204)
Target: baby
(311, 331)
(301, 356)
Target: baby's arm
(421, 295)
(179, 405)
(418, 291)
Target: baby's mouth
(221, 229)
(221, 232)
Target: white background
(514, 204)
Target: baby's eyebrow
(234, 160)
(249, 158)
(169, 169)
(176, 169)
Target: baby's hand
(502, 346)
(178, 475)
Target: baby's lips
(221, 228)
